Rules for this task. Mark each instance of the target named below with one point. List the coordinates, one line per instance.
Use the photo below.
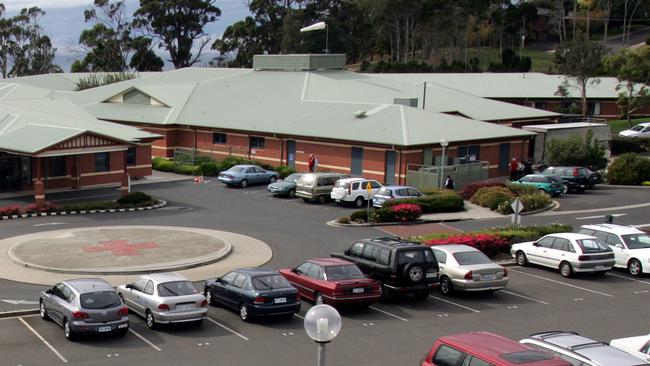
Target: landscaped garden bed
(211, 168)
(498, 195)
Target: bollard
(609, 219)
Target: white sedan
(636, 346)
(568, 252)
(640, 130)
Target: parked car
(253, 292)
(467, 269)
(332, 281)
(579, 350)
(568, 252)
(550, 184)
(354, 190)
(285, 187)
(400, 266)
(243, 175)
(576, 178)
(82, 306)
(486, 349)
(641, 130)
(631, 246)
(593, 178)
(388, 193)
(317, 186)
(636, 346)
(164, 298)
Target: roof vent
(409, 102)
(361, 114)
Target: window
(102, 162)
(440, 256)
(637, 241)
(370, 252)
(347, 272)
(469, 154)
(239, 281)
(229, 278)
(259, 170)
(593, 246)
(256, 142)
(447, 356)
(586, 231)
(139, 284)
(304, 268)
(219, 138)
(612, 239)
(130, 156)
(270, 282)
(416, 255)
(384, 257)
(413, 192)
(646, 348)
(315, 271)
(68, 295)
(473, 361)
(56, 166)
(250, 170)
(471, 258)
(57, 290)
(546, 242)
(374, 184)
(176, 288)
(148, 289)
(357, 249)
(100, 299)
(355, 186)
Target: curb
(622, 186)
(334, 223)
(509, 263)
(12, 313)
(553, 206)
(161, 203)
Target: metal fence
(428, 176)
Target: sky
(64, 23)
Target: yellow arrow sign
(368, 187)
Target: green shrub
(435, 191)
(162, 164)
(135, 198)
(361, 215)
(209, 168)
(231, 161)
(264, 166)
(198, 160)
(646, 183)
(629, 169)
(492, 197)
(447, 201)
(468, 191)
(343, 220)
(285, 171)
(186, 169)
(577, 149)
(384, 214)
(96, 205)
(531, 202)
(520, 189)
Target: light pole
(444, 144)
(322, 324)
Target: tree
(581, 61)
(178, 24)
(632, 69)
(143, 58)
(577, 150)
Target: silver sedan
(468, 269)
(164, 298)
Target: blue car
(253, 292)
(243, 175)
(388, 193)
(285, 187)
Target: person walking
(528, 167)
(514, 166)
(312, 163)
(449, 183)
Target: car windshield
(307, 180)
(176, 288)
(592, 246)
(384, 191)
(235, 170)
(341, 184)
(270, 282)
(416, 255)
(292, 178)
(523, 357)
(637, 241)
(346, 272)
(470, 258)
(554, 179)
(637, 128)
(99, 300)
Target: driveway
(603, 196)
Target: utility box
(561, 131)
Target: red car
(486, 349)
(332, 281)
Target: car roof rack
(587, 345)
(553, 333)
(393, 241)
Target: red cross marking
(119, 247)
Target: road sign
(368, 187)
(516, 206)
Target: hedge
(135, 198)
(492, 197)
(622, 145)
(434, 203)
(629, 169)
(468, 191)
(531, 202)
(162, 164)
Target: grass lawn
(619, 125)
(541, 61)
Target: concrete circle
(118, 253)
(132, 250)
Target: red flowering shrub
(406, 212)
(34, 208)
(468, 191)
(10, 210)
(489, 244)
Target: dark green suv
(400, 266)
(575, 178)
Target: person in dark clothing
(311, 163)
(528, 167)
(449, 183)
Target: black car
(253, 292)
(400, 266)
(576, 178)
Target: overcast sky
(64, 22)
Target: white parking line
(524, 297)
(628, 278)
(228, 329)
(562, 283)
(387, 313)
(145, 340)
(455, 304)
(44, 341)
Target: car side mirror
(294, 270)
(347, 252)
(48, 291)
(535, 244)
(129, 286)
(219, 279)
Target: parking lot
(398, 332)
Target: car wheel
(413, 272)
(358, 202)
(272, 179)
(292, 193)
(634, 267)
(318, 299)
(67, 331)
(322, 199)
(565, 269)
(243, 312)
(43, 311)
(421, 295)
(244, 183)
(565, 189)
(386, 294)
(445, 285)
(521, 259)
(151, 322)
(208, 296)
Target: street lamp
(444, 144)
(322, 324)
